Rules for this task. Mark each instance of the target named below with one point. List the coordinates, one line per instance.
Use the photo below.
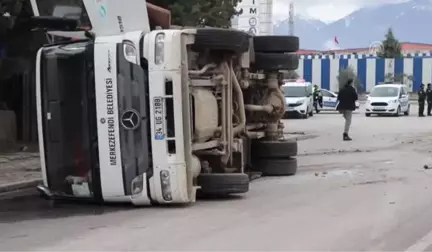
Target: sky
(324, 10)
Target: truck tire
(276, 61)
(221, 40)
(276, 166)
(274, 149)
(223, 184)
(276, 44)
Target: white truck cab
(299, 98)
(132, 115)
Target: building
(256, 17)
(407, 48)
(323, 70)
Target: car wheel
(407, 112)
(367, 114)
(311, 112)
(398, 111)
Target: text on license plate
(158, 112)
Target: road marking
(422, 244)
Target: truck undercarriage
(237, 105)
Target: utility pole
(291, 19)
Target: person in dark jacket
(346, 105)
(429, 99)
(421, 100)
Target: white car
(388, 99)
(330, 101)
(298, 98)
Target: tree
(214, 13)
(390, 47)
(399, 78)
(348, 73)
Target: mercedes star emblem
(130, 119)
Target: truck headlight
(166, 185)
(159, 48)
(130, 52)
(137, 185)
(393, 101)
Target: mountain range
(409, 20)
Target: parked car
(330, 101)
(388, 99)
(298, 98)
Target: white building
(256, 17)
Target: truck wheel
(276, 44)
(274, 149)
(276, 166)
(276, 61)
(223, 184)
(221, 40)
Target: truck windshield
(68, 95)
(295, 91)
(384, 92)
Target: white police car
(298, 98)
(330, 101)
(388, 99)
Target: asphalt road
(371, 194)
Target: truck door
(107, 17)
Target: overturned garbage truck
(130, 114)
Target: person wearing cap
(421, 100)
(317, 97)
(429, 98)
(347, 98)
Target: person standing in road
(421, 100)
(346, 105)
(429, 99)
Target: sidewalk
(19, 171)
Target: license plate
(290, 109)
(158, 112)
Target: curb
(21, 193)
(19, 185)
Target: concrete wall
(371, 70)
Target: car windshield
(384, 92)
(295, 91)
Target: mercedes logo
(130, 119)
